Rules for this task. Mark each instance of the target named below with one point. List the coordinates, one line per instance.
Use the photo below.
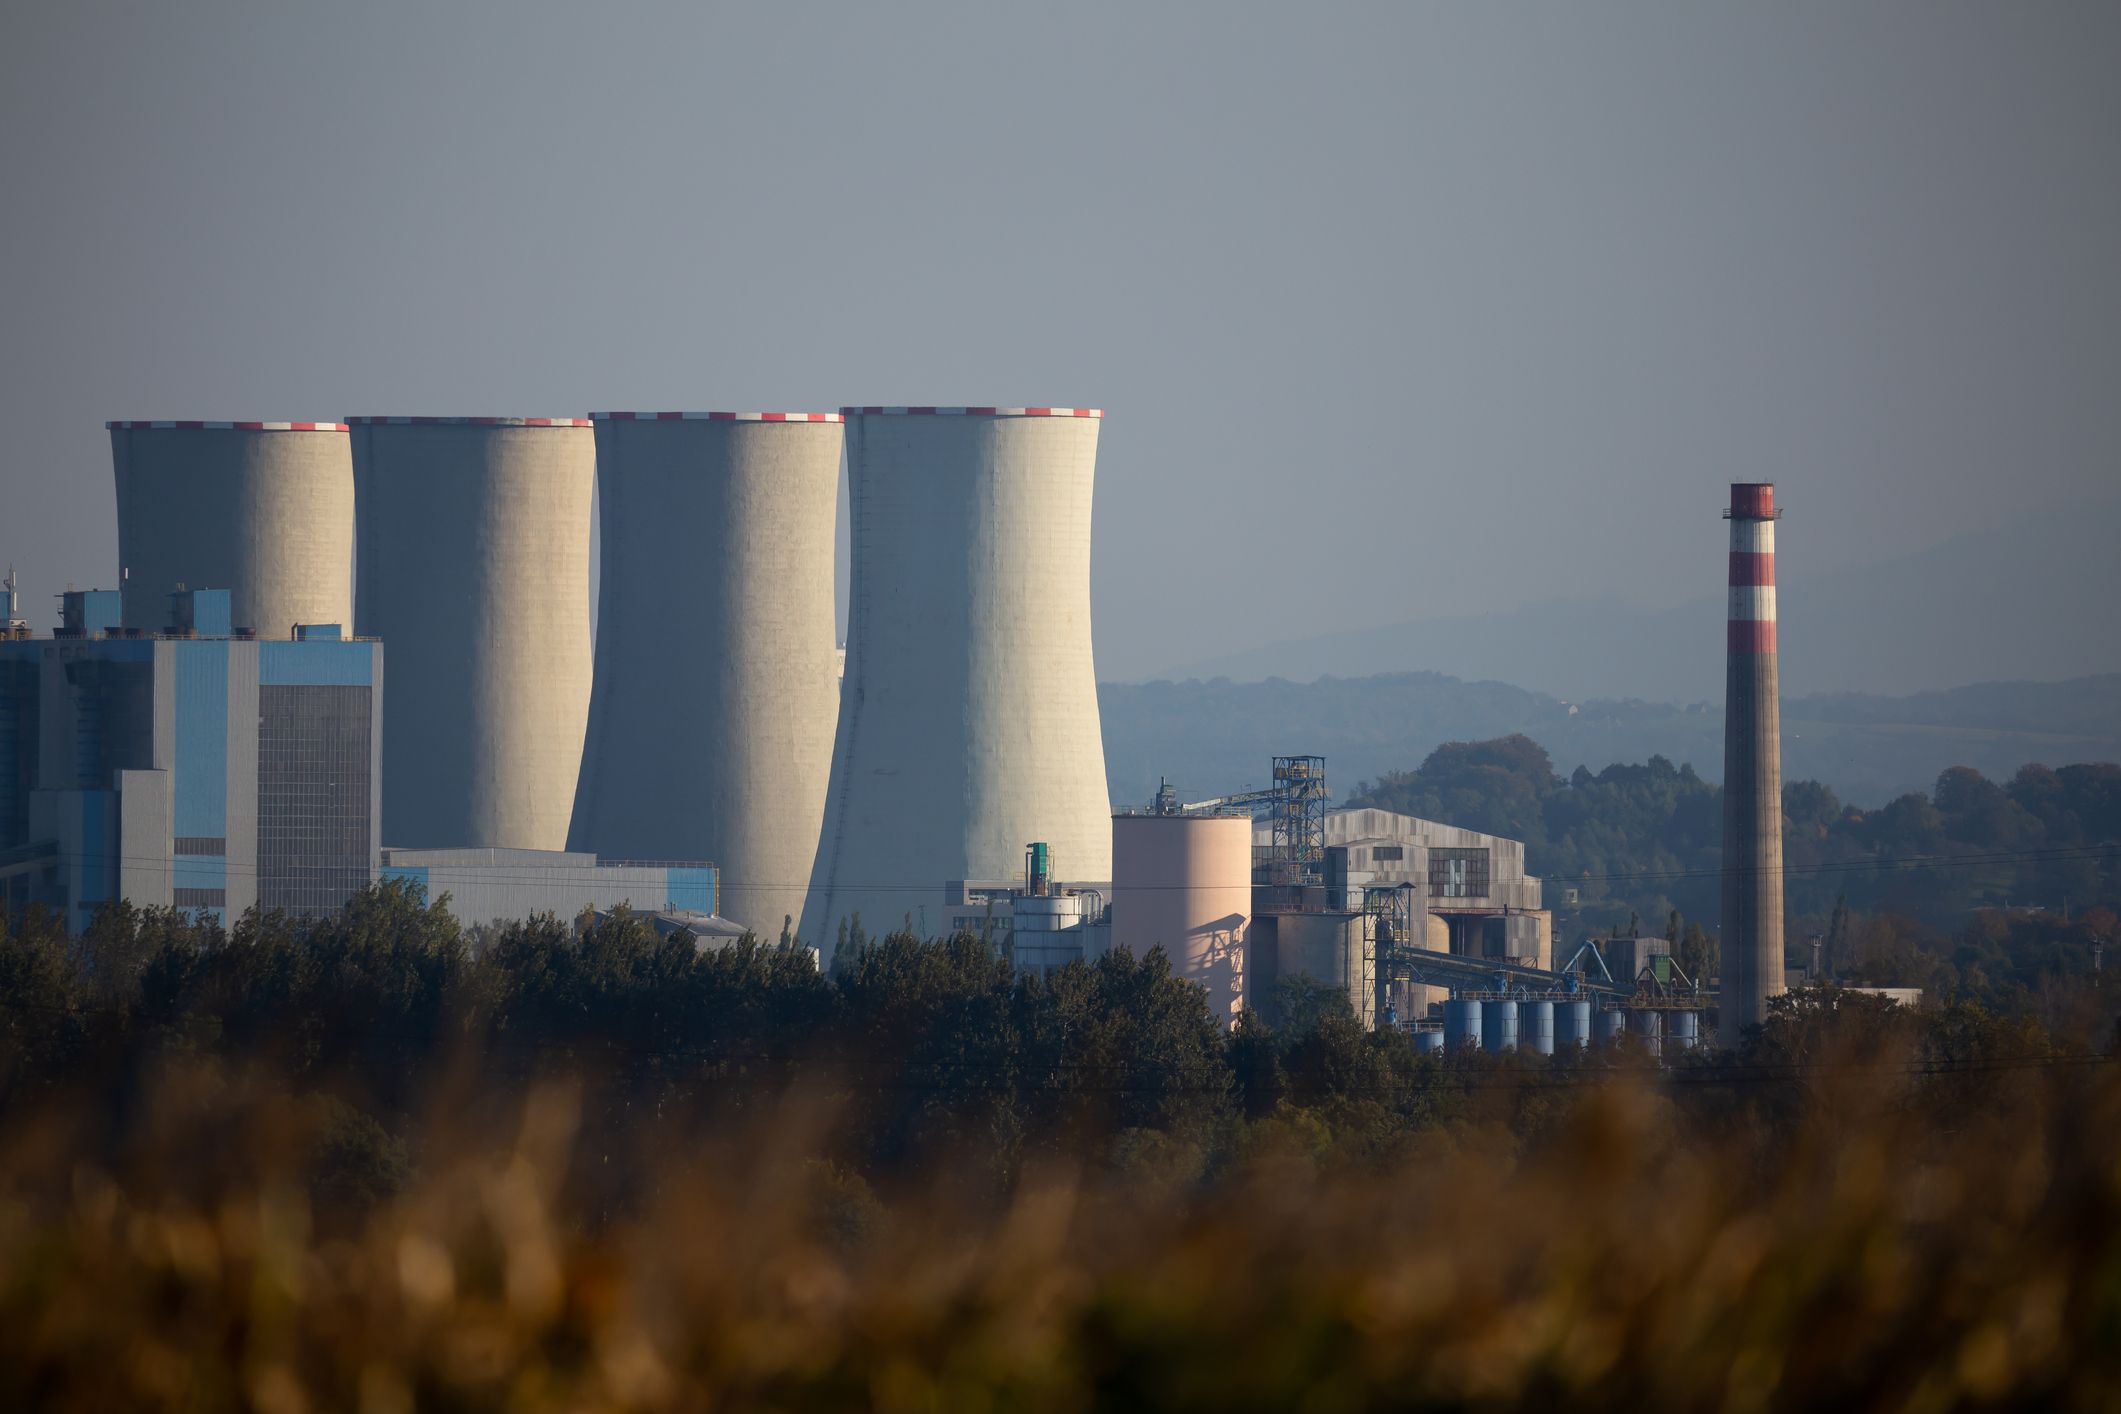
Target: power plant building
(194, 766)
(717, 663)
(1752, 770)
(968, 722)
(489, 886)
(264, 510)
(474, 568)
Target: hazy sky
(1395, 311)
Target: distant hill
(1212, 737)
(1977, 608)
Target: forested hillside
(1216, 736)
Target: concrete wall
(717, 662)
(145, 873)
(968, 719)
(262, 510)
(474, 569)
(1184, 883)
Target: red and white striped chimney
(1752, 770)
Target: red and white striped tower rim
(1752, 515)
(196, 426)
(469, 421)
(972, 412)
(716, 417)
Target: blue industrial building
(199, 766)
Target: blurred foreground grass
(1867, 1255)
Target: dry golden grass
(1864, 1255)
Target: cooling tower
(717, 660)
(968, 716)
(474, 571)
(1752, 771)
(262, 509)
(1184, 883)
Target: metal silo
(1536, 1026)
(1461, 1024)
(1612, 1025)
(1649, 1025)
(1184, 883)
(1498, 1026)
(474, 571)
(968, 721)
(1572, 1024)
(1686, 1030)
(717, 656)
(264, 510)
(1428, 1040)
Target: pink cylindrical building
(1184, 882)
(1752, 770)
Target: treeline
(925, 1050)
(1956, 869)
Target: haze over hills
(1975, 608)
(1212, 737)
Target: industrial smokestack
(717, 663)
(968, 723)
(474, 571)
(1752, 770)
(262, 509)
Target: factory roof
(469, 421)
(974, 412)
(716, 417)
(193, 426)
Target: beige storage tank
(264, 510)
(1184, 882)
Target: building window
(202, 898)
(1458, 873)
(1388, 852)
(210, 845)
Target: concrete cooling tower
(474, 571)
(262, 509)
(968, 717)
(717, 662)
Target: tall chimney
(1752, 770)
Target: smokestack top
(1752, 500)
(974, 412)
(716, 417)
(469, 421)
(188, 426)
